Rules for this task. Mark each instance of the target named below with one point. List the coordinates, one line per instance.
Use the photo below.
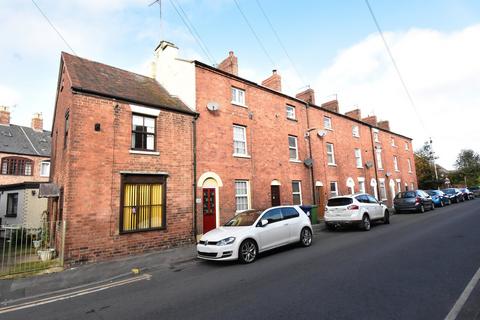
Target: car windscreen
(406, 195)
(449, 191)
(338, 202)
(243, 219)
(433, 192)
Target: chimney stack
(4, 116)
(385, 125)
(37, 121)
(273, 82)
(371, 120)
(307, 96)
(331, 105)
(230, 64)
(355, 114)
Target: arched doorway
(351, 185)
(210, 183)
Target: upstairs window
(239, 140)
(356, 131)
(395, 163)
(293, 148)
(45, 168)
(143, 133)
(407, 147)
(393, 142)
(17, 166)
(409, 166)
(67, 127)
(358, 158)
(290, 112)
(378, 153)
(375, 135)
(330, 154)
(327, 123)
(238, 96)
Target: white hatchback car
(358, 209)
(251, 232)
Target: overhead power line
(192, 30)
(410, 98)
(254, 33)
(53, 27)
(281, 43)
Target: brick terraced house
(122, 157)
(144, 163)
(258, 147)
(25, 163)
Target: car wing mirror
(263, 222)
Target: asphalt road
(414, 268)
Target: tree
(424, 158)
(468, 167)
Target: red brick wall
(10, 179)
(89, 170)
(267, 142)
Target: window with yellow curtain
(142, 202)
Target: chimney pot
(4, 116)
(230, 64)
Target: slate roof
(97, 78)
(24, 140)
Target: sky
(331, 46)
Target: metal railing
(26, 249)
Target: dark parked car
(467, 194)
(417, 200)
(454, 194)
(476, 191)
(439, 198)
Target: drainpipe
(312, 178)
(375, 164)
(194, 185)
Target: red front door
(209, 209)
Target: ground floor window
(12, 205)
(143, 202)
(297, 192)
(241, 195)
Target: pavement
(415, 268)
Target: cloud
(441, 71)
(8, 96)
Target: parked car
(454, 194)
(415, 200)
(439, 198)
(476, 191)
(359, 209)
(251, 232)
(467, 194)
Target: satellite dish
(321, 133)
(213, 106)
(388, 174)
(369, 164)
(308, 162)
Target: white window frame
(361, 185)
(395, 163)
(378, 155)
(399, 185)
(375, 135)
(358, 157)
(299, 192)
(356, 131)
(293, 148)
(291, 112)
(244, 129)
(333, 193)
(327, 123)
(330, 153)
(393, 141)
(238, 96)
(42, 163)
(409, 166)
(243, 195)
(412, 187)
(407, 146)
(382, 188)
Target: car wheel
(421, 209)
(386, 217)
(366, 223)
(441, 203)
(247, 252)
(330, 227)
(306, 237)
(432, 207)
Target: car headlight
(226, 241)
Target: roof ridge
(110, 66)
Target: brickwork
(89, 169)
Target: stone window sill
(150, 153)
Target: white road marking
(452, 315)
(73, 294)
